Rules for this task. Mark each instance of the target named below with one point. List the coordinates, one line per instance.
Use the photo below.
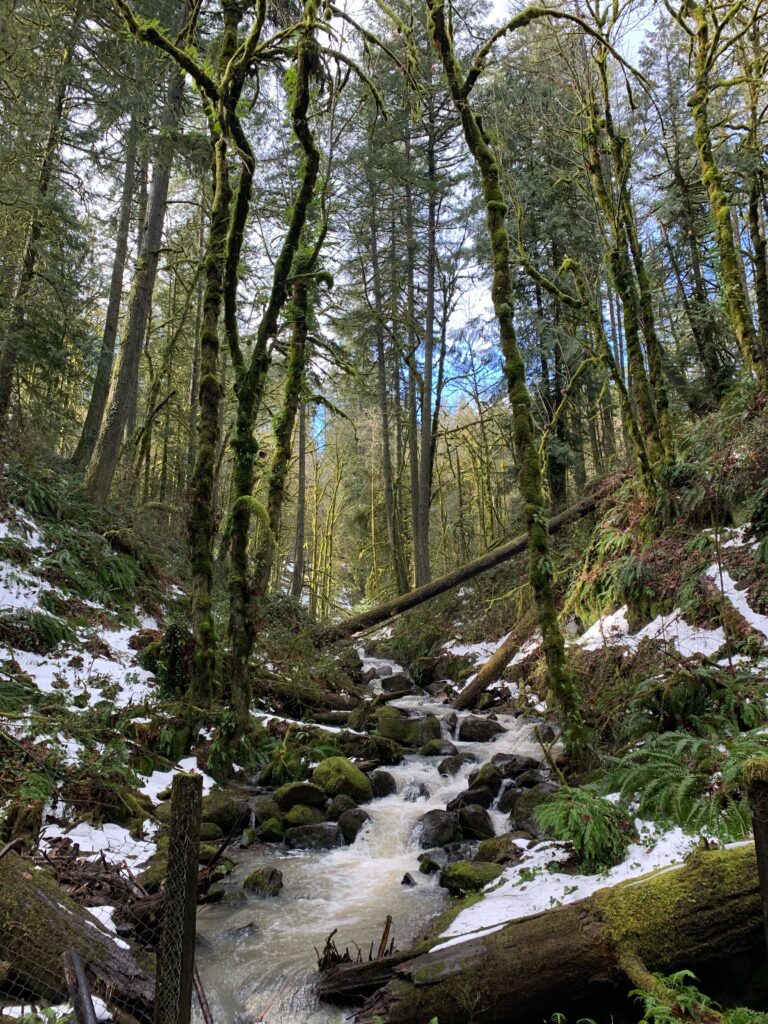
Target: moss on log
(699, 913)
(38, 923)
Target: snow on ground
(478, 652)
(535, 884)
(61, 1012)
(114, 841)
(738, 598)
(158, 781)
(267, 716)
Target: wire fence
(98, 924)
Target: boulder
(408, 879)
(210, 831)
(335, 775)
(479, 730)
(487, 775)
(271, 831)
(437, 828)
(451, 765)
(248, 838)
(527, 801)
(294, 793)
(227, 808)
(512, 765)
(427, 864)
(338, 805)
(398, 682)
(415, 791)
(409, 732)
(351, 822)
(480, 795)
(383, 783)
(265, 881)
(499, 850)
(465, 876)
(508, 799)
(264, 807)
(303, 814)
(314, 837)
(476, 822)
(438, 748)
(530, 778)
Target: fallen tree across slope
(707, 910)
(492, 558)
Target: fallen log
(491, 670)
(703, 912)
(39, 924)
(497, 556)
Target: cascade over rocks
(479, 730)
(383, 783)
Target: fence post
(176, 950)
(756, 781)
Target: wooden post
(176, 950)
(756, 781)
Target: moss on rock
(465, 876)
(336, 775)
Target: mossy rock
(214, 894)
(265, 881)
(271, 831)
(338, 806)
(294, 793)
(336, 775)
(409, 732)
(226, 808)
(465, 876)
(500, 850)
(437, 748)
(125, 806)
(428, 866)
(489, 775)
(223, 869)
(207, 853)
(210, 831)
(264, 807)
(302, 814)
(314, 837)
(153, 875)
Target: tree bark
(489, 560)
(299, 556)
(38, 923)
(690, 916)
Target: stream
(257, 960)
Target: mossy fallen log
(39, 923)
(700, 913)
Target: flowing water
(257, 959)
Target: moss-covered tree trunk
(691, 916)
(731, 265)
(502, 294)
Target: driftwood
(497, 556)
(691, 916)
(39, 924)
(491, 670)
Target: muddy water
(257, 959)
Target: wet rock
(264, 807)
(476, 822)
(479, 730)
(523, 813)
(271, 831)
(369, 674)
(428, 865)
(508, 799)
(241, 931)
(294, 793)
(450, 720)
(207, 852)
(547, 734)
(303, 814)
(335, 775)
(210, 831)
(438, 748)
(409, 732)
(248, 838)
(267, 881)
(384, 670)
(314, 837)
(338, 805)
(530, 778)
(465, 876)
(415, 791)
(408, 879)
(487, 700)
(512, 765)
(398, 682)
(351, 822)
(383, 783)
(480, 795)
(487, 775)
(223, 869)
(213, 894)
(437, 828)
(499, 850)
(451, 765)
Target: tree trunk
(691, 916)
(100, 392)
(491, 670)
(299, 556)
(38, 923)
(103, 464)
(497, 556)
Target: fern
(691, 781)
(598, 830)
(675, 999)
